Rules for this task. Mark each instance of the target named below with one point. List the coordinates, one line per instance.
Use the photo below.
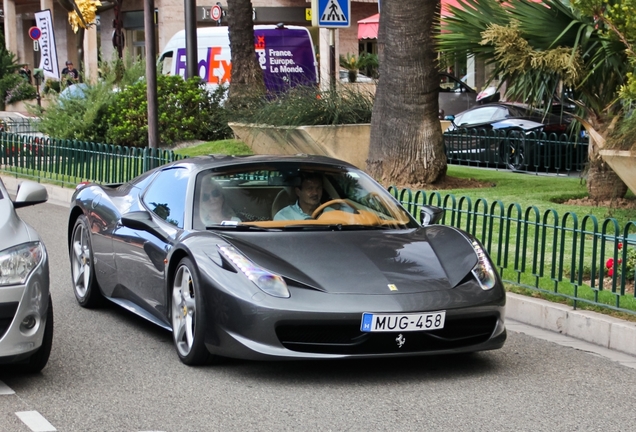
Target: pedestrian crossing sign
(334, 13)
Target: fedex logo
(215, 68)
(259, 47)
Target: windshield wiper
(333, 227)
(237, 227)
(313, 227)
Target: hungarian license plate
(372, 322)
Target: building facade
(86, 48)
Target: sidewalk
(601, 330)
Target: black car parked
(515, 135)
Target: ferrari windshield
(294, 196)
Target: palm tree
(406, 144)
(538, 48)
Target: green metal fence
(563, 255)
(516, 150)
(70, 162)
(556, 254)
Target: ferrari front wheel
(188, 316)
(85, 286)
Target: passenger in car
(212, 206)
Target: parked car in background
(505, 115)
(512, 134)
(360, 78)
(220, 251)
(455, 96)
(26, 310)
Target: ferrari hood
(352, 262)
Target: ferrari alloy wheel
(513, 152)
(82, 269)
(188, 315)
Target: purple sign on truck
(286, 56)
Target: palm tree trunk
(406, 138)
(603, 183)
(247, 75)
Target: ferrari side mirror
(430, 215)
(142, 221)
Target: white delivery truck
(286, 54)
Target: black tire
(187, 315)
(514, 152)
(40, 358)
(85, 285)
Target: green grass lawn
(543, 191)
(229, 146)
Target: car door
(140, 254)
(454, 95)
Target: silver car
(26, 311)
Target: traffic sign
(334, 13)
(35, 33)
(216, 12)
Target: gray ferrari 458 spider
(282, 257)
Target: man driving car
(309, 194)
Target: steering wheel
(322, 207)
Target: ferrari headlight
(268, 282)
(17, 263)
(483, 271)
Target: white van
(286, 54)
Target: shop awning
(368, 27)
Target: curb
(593, 327)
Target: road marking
(5, 389)
(35, 421)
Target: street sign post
(216, 12)
(35, 33)
(334, 13)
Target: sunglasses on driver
(214, 193)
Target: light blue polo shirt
(291, 212)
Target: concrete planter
(347, 142)
(623, 163)
(21, 106)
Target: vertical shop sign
(48, 51)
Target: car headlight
(267, 281)
(17, 263)
(483, 271)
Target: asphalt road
(111, 371)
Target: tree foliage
(187, 111)
(553, 42)
(114, 109)
(575, 49)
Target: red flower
(610, 272)
(610, 263)
(619, 246)
(620, 261)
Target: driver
(309, 194)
